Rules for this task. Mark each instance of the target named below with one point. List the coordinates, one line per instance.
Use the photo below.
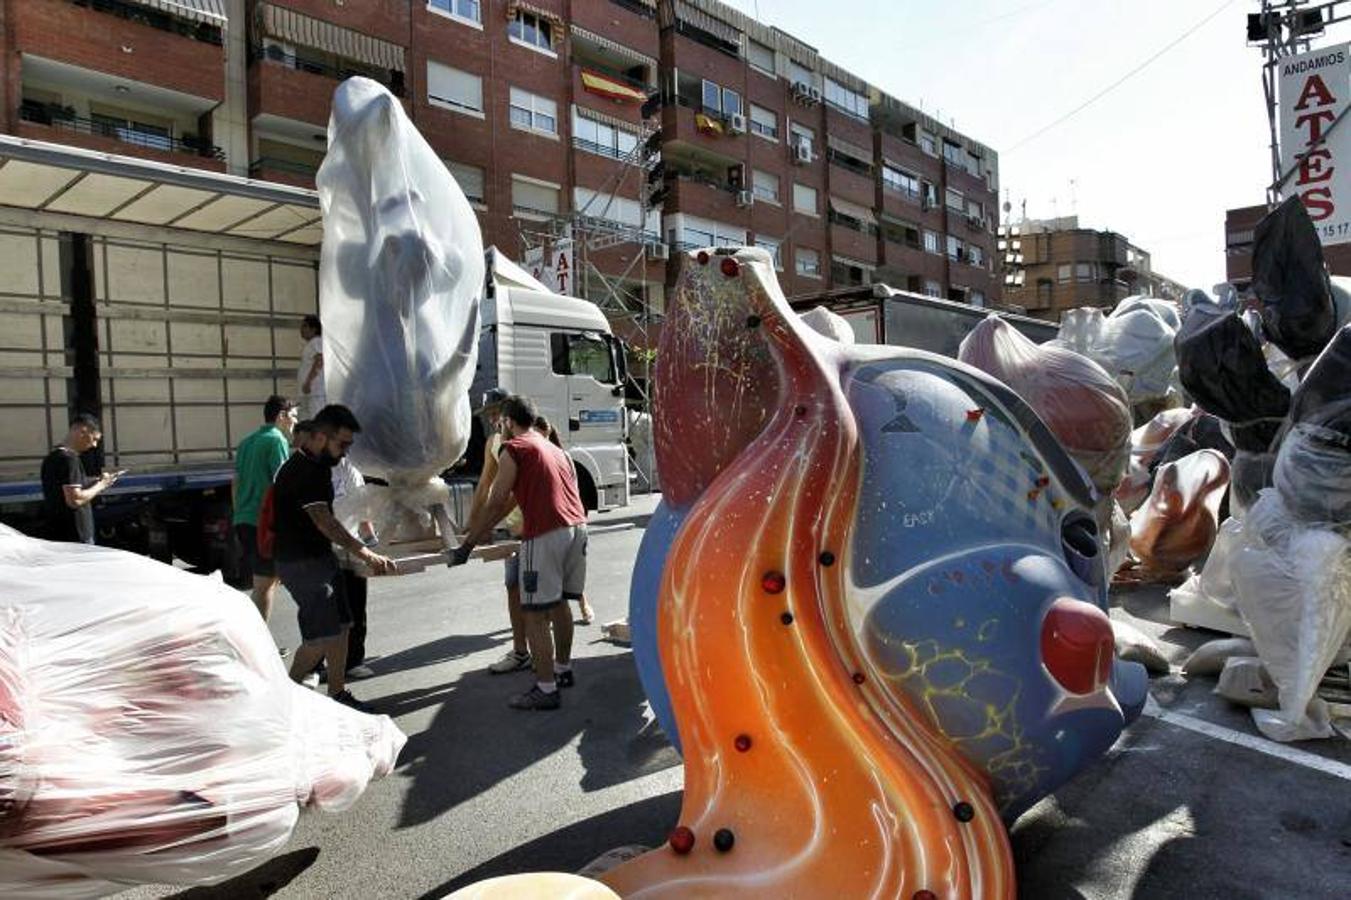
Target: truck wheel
(587, 489)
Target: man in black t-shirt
(66, 492)
(305, 531)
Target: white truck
(167, 300)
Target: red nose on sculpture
(1077, 645)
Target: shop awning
(212, 12)
(613, 88)
(853, 211)
(296, 28)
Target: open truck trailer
(167, 301)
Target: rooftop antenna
(1074, 197)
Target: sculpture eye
(1077, 645)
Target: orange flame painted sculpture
(827, 752)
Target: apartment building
(630, 126)
(1052, 265)
(1239, 227)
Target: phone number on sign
(1335, 230)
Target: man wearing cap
(518, 657)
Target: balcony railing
(638, 7)
(852, 224)
(278, 164)
(63, 117)
(139, 12)
(844, 161)
(340, 71)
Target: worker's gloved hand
(460, 555)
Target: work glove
(460, 555)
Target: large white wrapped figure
(401, 274)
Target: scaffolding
(593, 228)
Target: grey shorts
(316, 585)
(553, 567)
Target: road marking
(605, 529)
(1249, 741)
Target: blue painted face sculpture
(974, 592)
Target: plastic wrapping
(1289, 277)
(1324, 396)
(148, 729)
(1249, 474)
(1201, 432)
(833, 326)
(1244, 680)
(1294, 591)
(1177, 525)
(1211, 657)
(1134, 344)
(1313, 476)
(1077, 399)
(1221, 365)
(1118, 539)
(1341, 299)
(401, 273)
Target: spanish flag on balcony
(613, 88)
(707, 124)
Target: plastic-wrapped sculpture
(1289, 277)
(401, 273)
(1177, 525)
(149, 732)
(1134, 344)
(870, 608)
(1077, 399)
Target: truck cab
(559, 352)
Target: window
(975, 255)
(1064, 272)
(808, 262)
(845, 100)
(848, 272)
(931, 241)
(454, 89)
(802, 135)
(928, 144)
(693, 232)
(1083, 271)
(468, 10)
(712, 97)
(933, 288)
(955, 248)
(764, 122)
(903, 183)
(804, 199)
(132, 132)
(760, 56)
(975, 210)
(469, 178)
(955, 201)
(719, 100)
(930, 192)
(976, 298)
(534, 197)
(533, 113)
(731, 103)
(601, 138)
(772, 245)
(765, 185)
(531, 30)
(800, 74)
(848, 156)
(581, 355)
(954, 154)
(611, 208)
(975, 164)
(899, 232)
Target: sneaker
(535, 699)
(511, 661)
(311, 680)
(565, 679)
(346, 699)
(359, 671)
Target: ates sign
(1314, 91)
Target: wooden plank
(412, 557)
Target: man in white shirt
(310, 374)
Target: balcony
(705, 199)
(316, 62)
(207, 28)
(63, 118)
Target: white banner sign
(552, 264)
(1315, 88)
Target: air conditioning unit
(975, 221)
(744, 198)
(659, 251)
(801, 90)
(814, 94)
(736, 124)
(802, 153)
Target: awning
(515, 6)
(615, 89)
(848, 149)
(853, 211)
(295, 28)
(691, 15)
(212, 12)
(615, 122)
(618, 49)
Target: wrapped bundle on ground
(1221, 365)
(148, 729)
(1289, 277)
(1080, 402)
(1324, 396)
(1134, 344)
(1177, 525)
(401, 274)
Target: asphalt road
(1189, 803)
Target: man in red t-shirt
(539, 478)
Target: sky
(1158, 159)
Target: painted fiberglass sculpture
(870, 608)
(401, 272)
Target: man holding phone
(66, 491)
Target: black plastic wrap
(1221, 365)
(1289, 277)
(1324, 396)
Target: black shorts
(254, 565)
(316, 585)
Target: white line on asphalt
(1250, 741)
(603, 529)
